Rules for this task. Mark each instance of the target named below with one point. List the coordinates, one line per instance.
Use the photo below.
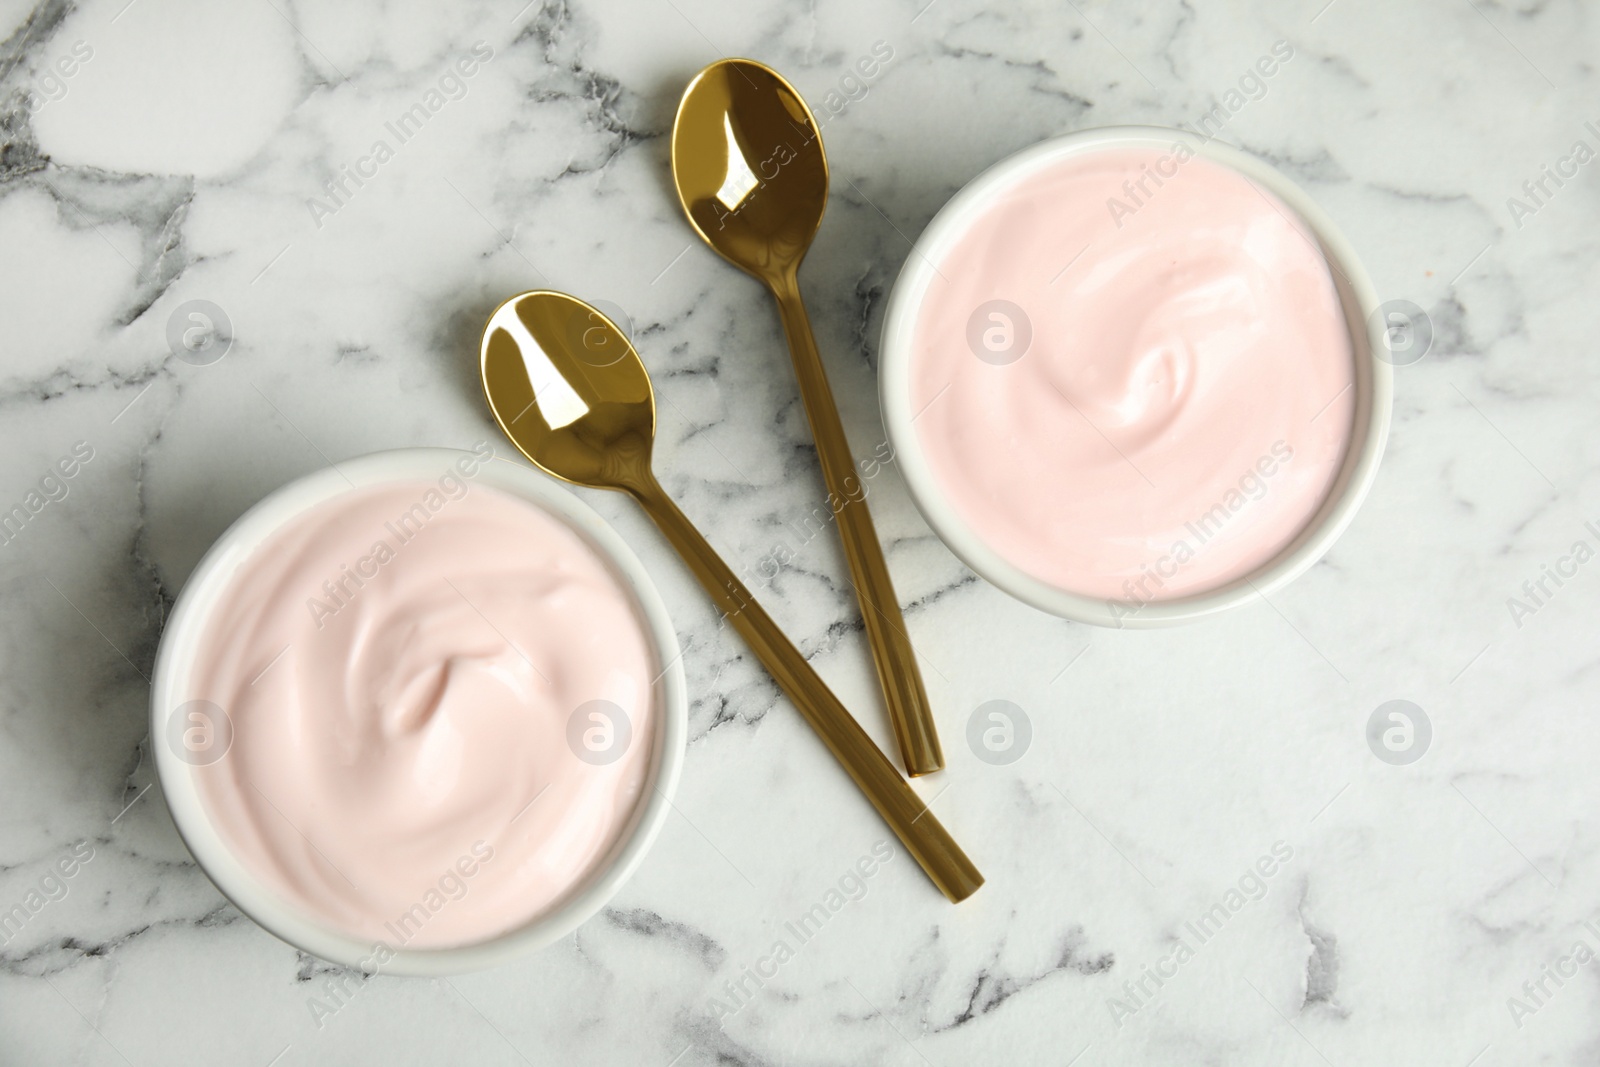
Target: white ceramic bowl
(1373, 384)
(175, 662)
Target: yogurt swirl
(1133, 375)
(441, 708)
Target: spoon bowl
(569, 390)
(749, 165)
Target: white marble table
(155, 153)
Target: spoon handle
(896, 660)
(921, 833)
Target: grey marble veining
(1425, 913)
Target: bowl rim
(211, 577)
(1373, 381)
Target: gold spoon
(753, 179)
(569, 390)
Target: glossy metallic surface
(570, 391)
(753, 179)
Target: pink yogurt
(422, 681)
(1133, 376)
